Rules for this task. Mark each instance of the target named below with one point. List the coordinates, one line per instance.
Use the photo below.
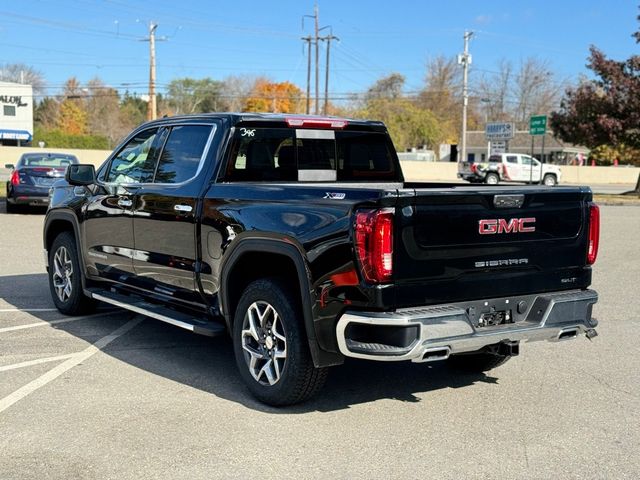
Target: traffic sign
(499, 131)
(538, 125)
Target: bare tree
(508, 95)
(534, 90)
(22, 73)
(443, 85)
(389, 87)
(104, 116)
(235, 90)
(442, 95)
(493, 92)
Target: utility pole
(465, 61)
(328, 39)
(152, 112)
(308, 40)
(315, 14)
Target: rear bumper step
(436, 332)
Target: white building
(16, 114)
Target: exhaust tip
(568, 334)
(436, 354)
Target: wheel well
(56, 227)
(253, 266)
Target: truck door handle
(124, 202)
(183, 208)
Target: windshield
(46, 160)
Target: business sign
(538, 125)
(13, 99)
(498, 147)
(499, 131)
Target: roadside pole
(537, 126)
(531, 163)
(465, 61)
(541, 159)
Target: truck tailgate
(472, 243)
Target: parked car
(32, 177)
(300, 238)
(510, 167)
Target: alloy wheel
(264, 343)
(62, 274)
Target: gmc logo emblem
(501, 225)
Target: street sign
(499, 131)
(498, 147)
(538, 125)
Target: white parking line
(54, 322)
(58, 370)
(36, 362)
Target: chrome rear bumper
(435, 332)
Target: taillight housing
(594, 233)
(15, 178)
(374, 243)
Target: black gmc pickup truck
(299, 237)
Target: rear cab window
(310, 155)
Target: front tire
(65, 280)
(271, 347)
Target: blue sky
(87, 38)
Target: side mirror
(80, 175)
(10, 166)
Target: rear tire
(492, 179)
(477, 362)
(271, 347)
(65, 281)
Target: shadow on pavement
(22, 209)
(208, 363)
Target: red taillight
(374, 244)
(316, 122)
(594, 233)
(15, 178)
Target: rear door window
(182, 153)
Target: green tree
(409, 125)
(46, 113)
(190, 95)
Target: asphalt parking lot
(115, 395)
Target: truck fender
(287, 248)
